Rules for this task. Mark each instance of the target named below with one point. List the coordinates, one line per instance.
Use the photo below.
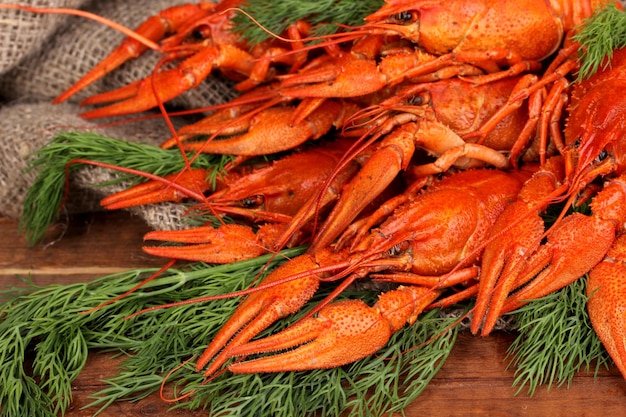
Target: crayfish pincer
(518, 266)
(606, 290)
(342, 332)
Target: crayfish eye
(405, 17)
(252, 201)
(201, 33)
(602, 155)
(420, 99)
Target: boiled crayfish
(476, 33)
(426, 237)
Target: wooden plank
(473, 382)
(88, 246)
(100, 366)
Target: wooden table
(473, 382)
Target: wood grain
(473, 382)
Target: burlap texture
(23, 32)
(38, 123)
(40, 56)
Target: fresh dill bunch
(324, 15)
(555, 339)
(159, 340)
(383, 383)
(45, 326)
(599, 36)
(44, 197)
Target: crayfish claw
(342, 332)
(224, 244)
(169, 83)
(261, 309)
(153, 29)
(606, 290)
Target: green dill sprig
(44, 197)
(45, 327)
(322, 14)
(555, 339)
(160, 340)
(383, 383)
(598, 37)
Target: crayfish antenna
(164, 268)
(164, 182)
(158, 191)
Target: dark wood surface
(473, 382)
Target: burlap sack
(40, 56)
(29, 126)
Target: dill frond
(599, 36)
(44, 197)
(555, 339)
(324, 15)
(45, 327)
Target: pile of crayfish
(420, 148)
